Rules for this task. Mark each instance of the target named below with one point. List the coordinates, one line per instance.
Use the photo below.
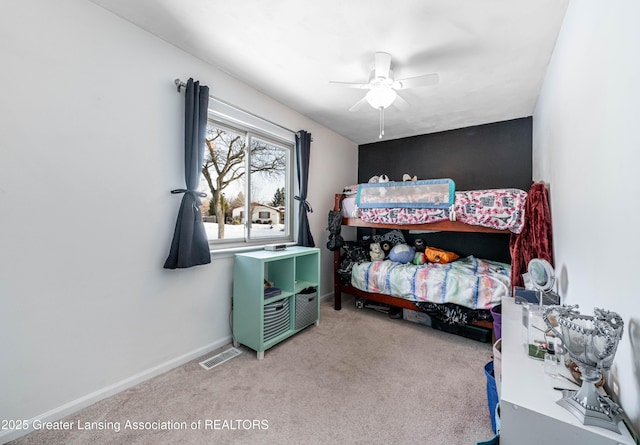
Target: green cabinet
(261, 318)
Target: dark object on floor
(454, 314)
(391, 311)
(473, 332)
(395, 312)
(361, 303)
(477, 333)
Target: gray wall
(91, 130)
(587, 148)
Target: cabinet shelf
(277, 297)
(302, 285)
(260, 323)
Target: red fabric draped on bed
(535, 240)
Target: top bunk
(426, 205)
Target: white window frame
(227, 115)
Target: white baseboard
(327, 296)
(89, 399)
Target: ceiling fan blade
(400, 103)
(362, 103)
(418, 81)
(350, 84)
(382, 65)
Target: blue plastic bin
(492, 395)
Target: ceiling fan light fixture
(381, 96)
(382, 87)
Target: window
(247, 176)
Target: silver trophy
(591, 342)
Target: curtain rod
(180, 84)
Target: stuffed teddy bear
(376, 252)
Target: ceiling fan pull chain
(381, 123)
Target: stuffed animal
(419, 245)
(407, 177)
(378, 179)
(419, 259)
(402, 253)
(376, 252)
(435, 255)
(386, 248)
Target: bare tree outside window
(229, 155)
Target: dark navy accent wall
(497, 155)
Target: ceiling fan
(382, 87)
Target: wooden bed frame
(446, 226)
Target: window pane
(247, 179)
(223, 180)
(269, 170)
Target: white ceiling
(491, 55)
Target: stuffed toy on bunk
(435, 255)
(419, 259)
(376, 253)
(386, 248)
(378, 179)
(402, 253)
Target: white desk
(529, 414)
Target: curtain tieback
(305, 203)
(194, 192)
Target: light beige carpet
(357, 378)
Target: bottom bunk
(457, 295)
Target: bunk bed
(396, 221)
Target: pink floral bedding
(496, 208)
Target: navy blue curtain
(303, 153)
(190, 246)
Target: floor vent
(218, 359)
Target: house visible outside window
(248, 178)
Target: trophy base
(603, 414)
